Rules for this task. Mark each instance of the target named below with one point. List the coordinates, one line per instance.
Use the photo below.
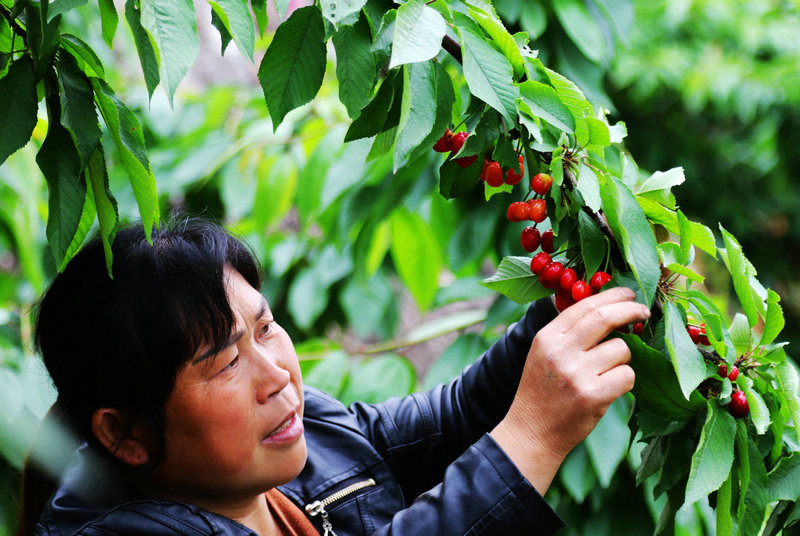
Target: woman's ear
(114, 431)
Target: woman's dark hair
(119, 342)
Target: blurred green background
(374, 275)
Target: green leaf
(260, 11)
(337, 11)
(758, 409)
(292, 69)
(452, 362)
(61, 166)
(599, 134)
(355, 65)
(109, 20)
(236, 17)
(686, 359)
(724, 522)
(593, 246)
(608, 443)
(18, 100)
(738, 266)
(148, 56)
(686, 232)
(583, 29)
(589, 187)
(789, 384)
(418, 33)
(494, 27)
(127, 134)
(632, 230)
(713, 459)
(309, 293)
(220, 21)
(416, 256)
(774, 321)
(515, 281)
(783, 482)
(172, 26)
(329, 373)
(577, 475)
(282, 6)
(656, 388)
(661, 180)
(382, 113)
(59, 7)
(418, 110)
(688, 273)
(106, 205)
(753, 502)
(91, 64)
(544, 102)
(571, 95)
(488, 73)
(78, 114)
(455, 181)
(445, 98)
(375, 380)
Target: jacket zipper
(318, 507)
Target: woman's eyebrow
(230, 341)
(227, 343)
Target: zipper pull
(318, 508)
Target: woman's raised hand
(570, 378)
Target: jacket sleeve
(482, 493)
(442, 433)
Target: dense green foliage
(352, 212)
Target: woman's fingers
(571, 315)
(607, 355)
(596, 324)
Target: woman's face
(234, 420)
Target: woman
(190, 401)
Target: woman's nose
(270, 378)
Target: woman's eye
(266, 329)
(232, 364)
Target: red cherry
(457, 141)
(539, 262)
(510, 213)
(723, 370)
(694, 333)
(598, 280)
(738, 406)
(551, 275)
(467, 161)
(541, 183)
(702, 337)
(538, 210)
(443, 144)
(493, 175)
(638, 328)
(512, 177)
(734, 373)
(486, 162)
(563, 300)
(581, 290)
(568, 278)
(521, 210)
(530, 239)
(547, 241)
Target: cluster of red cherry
(492, 173)
(453, 142)
(570, 288)
(738, 406)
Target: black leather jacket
(418, 465)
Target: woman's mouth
(289, 431)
